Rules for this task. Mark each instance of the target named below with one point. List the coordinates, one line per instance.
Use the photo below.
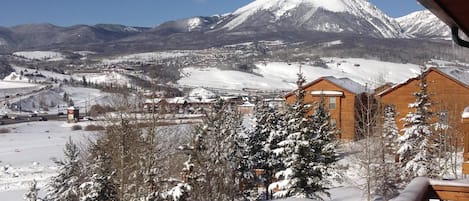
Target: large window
(332, 103)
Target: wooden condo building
(448, 89)
(341, 95)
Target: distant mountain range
(287, 20)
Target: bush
(76, 127)
(93, 127)
(4, 130)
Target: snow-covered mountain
(424, 24)
(338, 16)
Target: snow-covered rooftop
(348, 84)
(459, 73)
(201, 92)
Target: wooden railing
(421, 189)
(417, 190)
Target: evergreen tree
(385, 169)
(100, 186)
(325, 143)
(416, 148)
(33, 192)
(217, 165)
(83, 80)
(308, 150)
(259, 142)
(65, 185)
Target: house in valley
(341, 96)
(448, 88)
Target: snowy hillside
(352, 16)
(16, 78)
(40, 55)
(424, 24)
(104, 78)
(282, 76)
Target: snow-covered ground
(15, 85)
(26, 153)
(48, 74)
(281, 75)
(40, 55)
(104, 77)
(147, 57)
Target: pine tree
(308, 150)
(416, 148)
(100, 186)
(65, 185)
(217, 166)
(33, 192)
(386, 170)
(325, 143)
(259, 142)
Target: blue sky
(138, 12)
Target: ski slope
(282, 76)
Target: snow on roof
(348, 84)
(247, 104)
(459, 73)
(333, 93)
(176, 100)
(15, 77)
(201, 92)
(154, 100)
(200, 100)
(465, 114)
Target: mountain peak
(353, 16)
(424, 24)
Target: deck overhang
(454, 13)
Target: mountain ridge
(289, 20)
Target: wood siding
(447, 95)
(343, 114)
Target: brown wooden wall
(445, 94)
(344, 114)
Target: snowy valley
(213, 107)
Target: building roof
(347, 84)
(458, 74)
(153, 100)
(343, 83)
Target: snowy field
(46, 73)
(104, 77)
(280, 75)
(40, 55)
(15, 85)
(26, 153)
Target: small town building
(246, 108)
(341, 95)
(73, 114)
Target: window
(332, 103)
